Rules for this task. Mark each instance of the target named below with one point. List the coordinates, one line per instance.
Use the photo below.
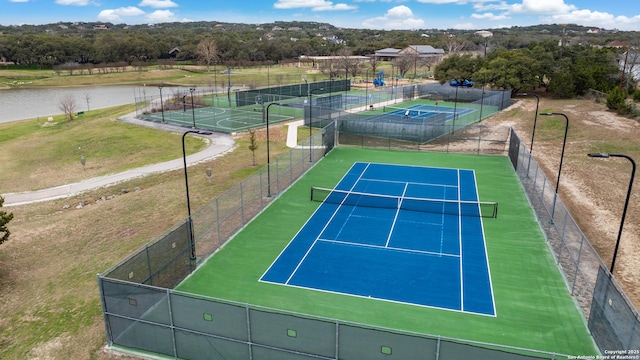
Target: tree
(346, 63)
(403, 63)
(458, 67)
(253, 145)
(207, 52)
(68, 106)
(4, 220)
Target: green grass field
(534, 308)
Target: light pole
(626, 203)
(186, 182)
(161, 104)
(229, 86)
(393, 75)
(311, 123)
(366, 89)
(193, 112)
(564, 143)
(533, 132)
(268, 157)
(456, 84)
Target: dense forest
(55, 44)
(567, 60)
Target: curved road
(218, 145)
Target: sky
(359, 14)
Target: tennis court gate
(613, 320)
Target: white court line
(460, 244)
(389, 248)
(322, 231)
(395, 218)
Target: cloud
(464, 26)
(315, 5)
(399, 17)
(489, 16)
(73, 2)
(18, 1)
(160, 16)
(541, 7)
(595, 18)
(115, 15)
(438, 2)
(158, 4)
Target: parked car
(465, 83)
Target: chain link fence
(612, 318)
(143, 313)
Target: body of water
(21, 104)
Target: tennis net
(437, 206)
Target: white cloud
(158, 4)
(315, 5)
(464, 26)
(399, 17)
(160, 16)
(115, 15)
(489, 16)
(73, 2)
(595, 18)
(438, 2)
(541, 7)
(18, 1)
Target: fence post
(172, 325)
(337, 354)
(249, 341)
(260, 186)
(218, 222)
(241, 205)
(575, 279)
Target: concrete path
(219, 144)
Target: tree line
(51, 45)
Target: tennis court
(221, 119)
(533, 308)
(423, 111)
(407, 234)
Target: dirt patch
(594, 190)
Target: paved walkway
(219, 144)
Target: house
(424, 52)
(386, 54)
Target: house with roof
(424, 52)
(387, 54)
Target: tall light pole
(393, 75)
(366, 89)
(564, 143)
(311, 123)
(193, 112)
(533, 132)
(161, 104)
(268, 157)
(192, 243)
(626, 203)
(229, 86)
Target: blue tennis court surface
(423, 111)
(375, 236)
